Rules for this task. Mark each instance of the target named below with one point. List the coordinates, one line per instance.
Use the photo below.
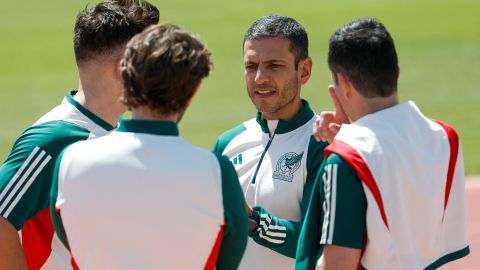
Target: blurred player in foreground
(100, 35)
(406, 167)
(141, 197)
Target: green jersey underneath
(336, 214)
(26, 175)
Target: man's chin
(266, 110)
(264, 107)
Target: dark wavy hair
(162, 67)
(110, 25)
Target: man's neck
(287, 113)
(99, 92)
(145, 113)
(373, 105)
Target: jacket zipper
(261, 157)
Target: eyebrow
(274, 61)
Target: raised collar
(303, 116)
(164, 128)
(97, 120)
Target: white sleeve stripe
(267, 226)
(30, 181)
(333, 204)
(273, 241)
(22, 181)
(266, 221)
(18, 173)
(326, 204)
(276, 234)
(266, 217)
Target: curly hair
(110, 25)
(162, 67)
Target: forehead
(267, 49)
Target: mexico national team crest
(287, 165)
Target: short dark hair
(273, 26)
(364, 52)
(162, 67)
(110, 25)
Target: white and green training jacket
(26, 178)
(277, 162)
(392, 185)
(143, 198)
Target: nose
(261, 75)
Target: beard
(283, 97)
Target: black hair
(110, 25)
(364, 52)
(272, 26)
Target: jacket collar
(97, 120)
(303, 116)
(164, 128)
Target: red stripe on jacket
(353, 158)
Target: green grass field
(438, 43)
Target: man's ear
(305, 69)
(117, 67)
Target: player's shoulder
(341, 164)
(208, 159)
(315, 153)
(335, 159)
(51, 137)
(57, 128)
(221, 160)
(110, 144)
(53, 133)
(233, 132)
(226, 137)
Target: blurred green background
(438, 44)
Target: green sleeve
(277, 234)
(284, 238)
(54, 213)
(337, 183)
(314, 162)
(234, 239)
(343, 197)
(308, 248)
(26, 175)
(226, 138)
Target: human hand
(249, 209)
(253, 218)
(328, 124)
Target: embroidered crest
(287, 165)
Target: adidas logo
(237, 160)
